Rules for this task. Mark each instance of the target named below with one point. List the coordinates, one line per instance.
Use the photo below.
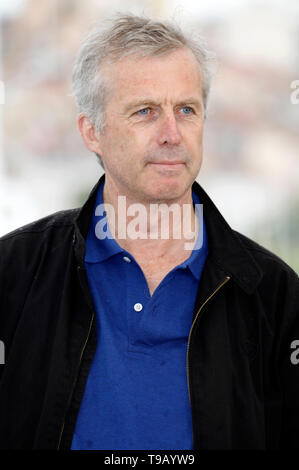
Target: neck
(156, 228)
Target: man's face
(152, 143)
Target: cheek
(116, 143)
(122, 147)
(126, 146)
(135, 144)
(124, 138)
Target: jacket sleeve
(3, 336)
(288, 359)
(15, 280)
(2, 342)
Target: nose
(168, 131)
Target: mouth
(168, 165)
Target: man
(118, 341)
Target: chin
(167, 191)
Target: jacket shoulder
(58, 219)
(268, 260)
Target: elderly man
(124, 338)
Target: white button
(125, 258)
(138, 307)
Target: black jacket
(243, 385)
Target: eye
(187, 110)
(143, 112)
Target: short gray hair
(120, 36)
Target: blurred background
(251, 141)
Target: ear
(89, 134)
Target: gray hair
(123, 35)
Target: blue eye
(141, 111)
(188, 108)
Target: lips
(167, 163)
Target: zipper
(190, 333)
(73, 387)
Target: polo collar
(100, 250)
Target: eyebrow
(150, 102)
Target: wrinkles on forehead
(132, 82)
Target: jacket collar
(227, 253)
(226, 249)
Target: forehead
(174, 74)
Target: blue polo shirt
(136, 395)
